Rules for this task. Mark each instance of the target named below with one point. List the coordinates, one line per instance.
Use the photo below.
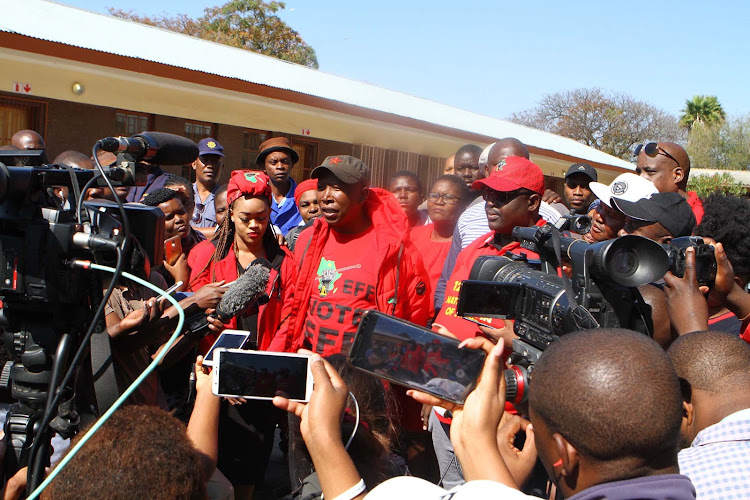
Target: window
(20, 114)
(196, 131)
(128, 123)
(251, 141)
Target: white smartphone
(229, 339)
(262, 375)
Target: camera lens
(624, 262)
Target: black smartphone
(261, 374)
(415, 357)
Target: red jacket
(273, 317)
(402, 287)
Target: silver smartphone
(261, 375)
(229, 339)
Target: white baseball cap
(629, 187)
(485, 156)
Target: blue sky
(499, 57)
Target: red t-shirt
(346, 280)
(458, 326)
(696, 205)
(433, 253)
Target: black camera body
(705, 261)
(545, 305)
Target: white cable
(356, 424)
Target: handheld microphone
(158, 148)
(244, 291)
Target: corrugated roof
(71, 26)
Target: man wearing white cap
(606, 218)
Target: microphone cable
(126, 394)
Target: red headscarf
(308, 185)
(248, 182)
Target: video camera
(546, 304)
(49, 305)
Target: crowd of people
(612, 413)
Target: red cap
(308, 185)
(248, 182)
(513, 173)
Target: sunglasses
(652, 149)
(198, 212)
(502, 197)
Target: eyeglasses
(448, 199)
(652, 149)
(502, 197)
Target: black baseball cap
(347, 169)
(671, 210)
(583, 168)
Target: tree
(704, 185)
(725, 145)
(704, 109)
(608, 121)
(248, 24)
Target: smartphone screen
(488, 299)
(229, 339)
(261, 375)
(415, 357)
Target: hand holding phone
(172, 249)
(261, 375)
(414, 357)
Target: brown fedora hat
(276, 144)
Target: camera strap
(103, 371)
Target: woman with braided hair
(245, 237)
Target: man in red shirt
(512, 194)
(667, 165)
(356, 256)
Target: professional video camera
(546, 304)
(49, 306)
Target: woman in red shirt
(243, 239)
(446, 201)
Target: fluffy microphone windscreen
(248, 287)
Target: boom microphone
(241, 293)
(158, 148)
(249, 287)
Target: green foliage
(248, 24)
(705, 185)
(702, 109)
(725, 145)
(608, 121)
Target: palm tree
(704, 109)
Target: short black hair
(471, 149)
(410, 175)
(159, 196)
(458, 183)
(712, 361)
(727, 220)
(178, 180)
(221, 190)
(612, 393)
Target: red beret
(248, 182)
(308, 185)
